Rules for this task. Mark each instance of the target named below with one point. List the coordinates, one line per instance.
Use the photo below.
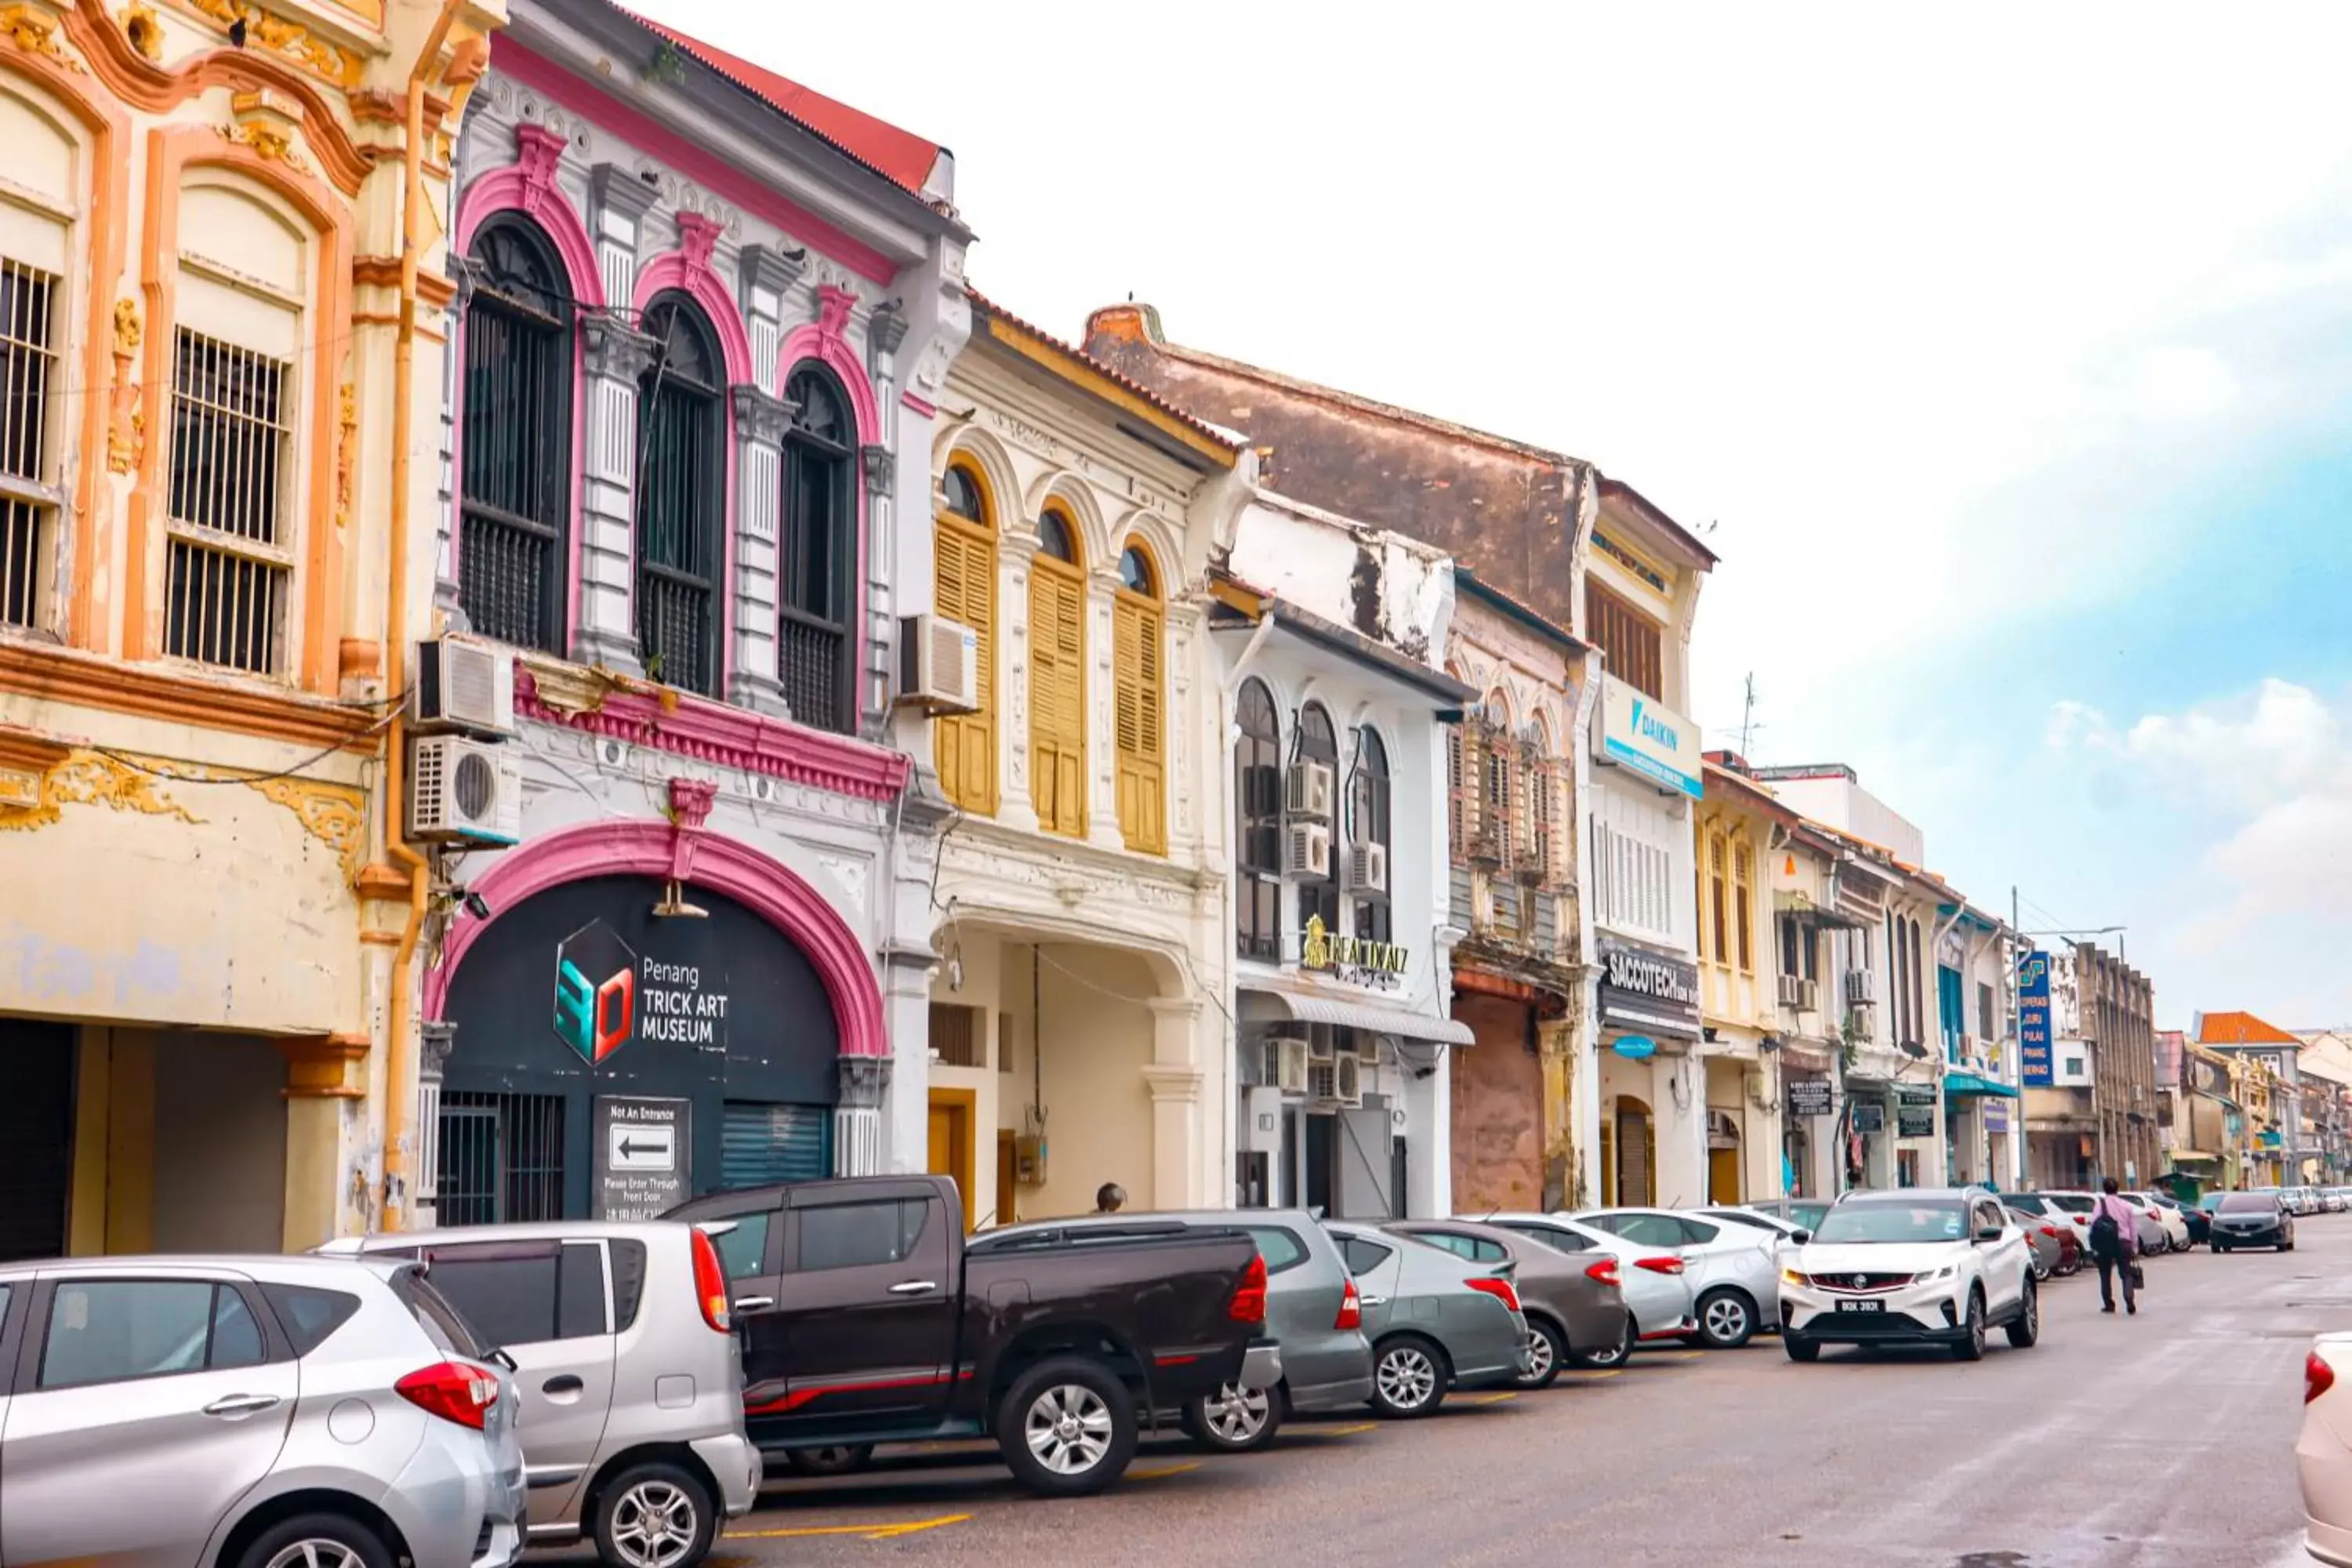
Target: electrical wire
(244, 776)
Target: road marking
(1155, 1471)
(1493, 1399)
(878, 1531)
(1347, 1431)
(1670, 1355)
(1596, 1375)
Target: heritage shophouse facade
(1079, 1028)
(702, 337)
(207, 329)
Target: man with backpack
(2114, 1239)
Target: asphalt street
(2164, 1438)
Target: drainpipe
(393, 1205)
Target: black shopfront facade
(610, 1051)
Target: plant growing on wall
(669, 65)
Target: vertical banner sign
(2033, 1020)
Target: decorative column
(881, 467)
(617, 355)
(1174, 1076)
(318, 1083)
(759, 423)
(767, 275)
(438, 1038)
(1017, 551)
(465, 273)
(619, 202)
(857, 1116)
(1102, 708)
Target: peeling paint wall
(1499, 1146)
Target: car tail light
(2318, 1377)
(1660, 1265)
(2050, 1230)
(1499, 1289)
(1605, 1273)
(1248, 1305)
(452, 1391)
(710, 1283)
(1351, 1309)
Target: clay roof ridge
(1231, 439)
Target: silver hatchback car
(631, 1375)
(250, 1413)
(1436, 1322)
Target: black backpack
(2106, 1234)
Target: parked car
(2323, 1450)
(605, 1322)
(1802, 1213)
(2257, 1218)
(2200, 1218)
(1575, 1308)
(866, 1319)
(2171, 1233)
(1735, 1268)
(1655, 1283)
(251, 1413)
(1437, 1321)
(1313, 1311)
(1924, 1266)
(2054, 1249)
(1787, 1229)
(2332, 1200)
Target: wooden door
(1008, 1177)
(951, 1143)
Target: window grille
(229, 570)
(501, 1158)
(516, 449)
(820, 544)
(28, 506)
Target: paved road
(2164, 1438)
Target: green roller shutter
(763, 1144)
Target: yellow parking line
(876, 1531)
(1493, 1399)
(1349, 1431)
(1670, 1355)
(1596, 1375)
(1157, 1471)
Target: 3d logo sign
(595, 992)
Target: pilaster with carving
(857, 1116)
(619, 202)
(616, 355)
(1102, 711)
(766, 277)
(1015, 554)
(881, 604)
(467, 274)
(761, 422)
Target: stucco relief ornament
(347, 425)
(126, 423)
(142, 30)
(36, 36)
(267, 143)
(88, 778)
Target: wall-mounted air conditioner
(1368, 867)
(1286, 1065)
(463, 791)
(1860, 987)
(939, 664)
(1348, 1081)
(1307, 791)
(1307, 851)
(463, 687)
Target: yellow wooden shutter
(963, 746)
(1141, 723)
(1057, 705)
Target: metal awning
(1960, 1084)
(1261, 1004)
(1802, 906)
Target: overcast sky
(2007, 353)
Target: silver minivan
(250, 1412)
(631, 1376)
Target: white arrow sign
(652, 1148)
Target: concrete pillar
(902, 1116)
(759, 423)
(1678, 1112)
(319, 1083)
(857, 1116)
(767, 275)
(1174, 1078)
(617, 355)
(880, 466)
(1015, 552)
(466, 274)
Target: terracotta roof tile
(2241, 1029)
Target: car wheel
(2026, 1327)
(1800, 1350)
(316, 1541)
(653, 1516)
(1233, 1420)
(1547, 1354)
(1727, 1320)
(1066, 1428)
(1602, 1357)
(838, 1460)
(1409, 1377)
(2041, 1270)
(1972, 1347)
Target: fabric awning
(2197, 1154)
(1314, 1007)
(1957, 1085)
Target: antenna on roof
(1748, 725)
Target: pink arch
(512, 189)
(673, 271)
(833, 351)
(723, 864)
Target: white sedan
(1734, 1269)
(2174, 1229)
(1655, 1283)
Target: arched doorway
(1629, 1154)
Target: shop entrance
(1723, 1160)
(951, 1143)
(36, 1130)
(1634, 1147)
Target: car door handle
(566, 1384)
(238, 1407)
(914, 1287)
(1372, 1301)
(754, 1303)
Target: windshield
(1894, 1221)
(2249, 1203)
(2210, 1201)
(2072, 1203)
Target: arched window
(1368, 831)
(681, 497)
(819, 550)
(49, 162)
(1743, 904)
(963, 745)
(1138, 682)
(1319, 743)
(1257, 811)
(1057, 676)
(1719, 895)
(1499, 828)
(514, 488)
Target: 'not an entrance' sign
(643, 1156)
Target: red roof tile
(899, 157)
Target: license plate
(1865, 1306)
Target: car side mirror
(1800, 1237)
(1989, 1233)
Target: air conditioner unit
(463, 791)
(1307, 851)
(1860, 987)
(1286, 1065)
(463, 687)
(1307, 791)
(1321, 1048)
(1368, 867)
(1798, 992)
(1348, 1081)
(939, 664)
(1323, 1082)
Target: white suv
(1924, 1266)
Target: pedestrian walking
(1109, 1198)
(2115, 1244)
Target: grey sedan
(1575, 1307)
(1436, 1322)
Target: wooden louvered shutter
(964, 745)
(1058, 707)
(1141, 715)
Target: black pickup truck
(864, 1321)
